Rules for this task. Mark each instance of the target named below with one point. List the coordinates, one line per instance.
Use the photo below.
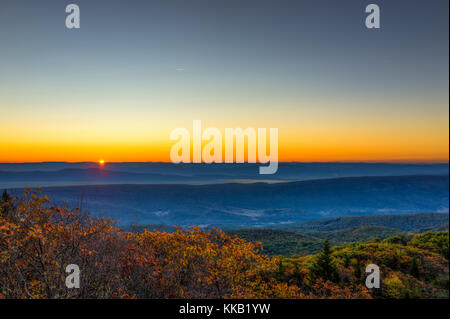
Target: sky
(115, 88)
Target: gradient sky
(136, 70)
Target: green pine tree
(324, 266)
(357, 269)
(5, 204)
(5, 197)
(414, 267)
(346, 260)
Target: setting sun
(101, 162)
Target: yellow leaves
(41, 239)
(394, 285)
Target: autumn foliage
(38, 241)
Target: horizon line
(280, 162)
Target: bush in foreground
(38, 241)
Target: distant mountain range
(69, 176)
(258, 204)
(64, 174)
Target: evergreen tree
(357, 269)
(281, 271)
(5, 197)
(346, 260)
(414, 267)
(5, 204)
(324, 267)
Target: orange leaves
(37, 241)
(191, 264)
(328, 290)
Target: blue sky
(137, 69)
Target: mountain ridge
(257, 204)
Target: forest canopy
(38, 241)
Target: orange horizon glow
(291, 149)
(161, 155)
(312, 131)
(130, 138)
(334, 92)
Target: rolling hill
(406, 222)
(308, 237)
(15, 175)
(257, 204)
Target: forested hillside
(280, 242)
(413, 266)
(308, 237)
(405, 222)
(37, 242)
